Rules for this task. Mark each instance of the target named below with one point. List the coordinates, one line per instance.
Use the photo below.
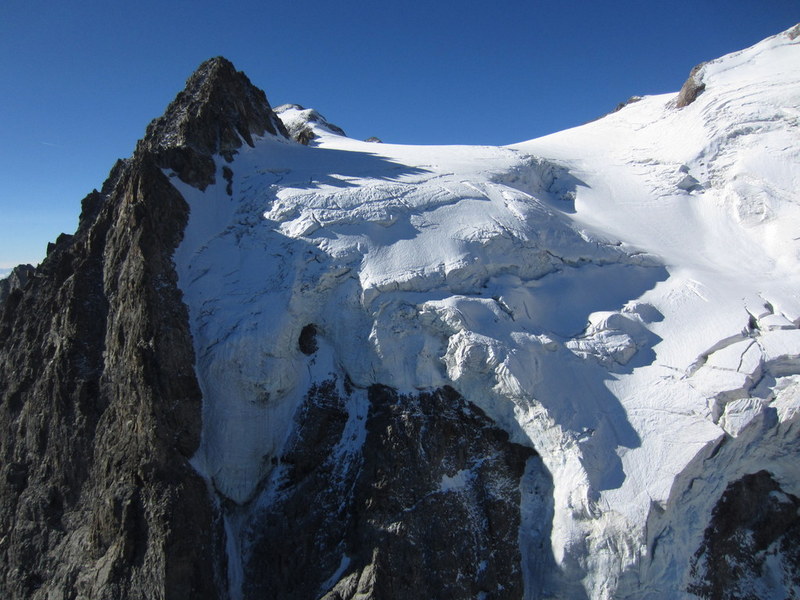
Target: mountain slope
(480, 267)
(564, 368)
(711, 190)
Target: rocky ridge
(100, 409)
(217, 111)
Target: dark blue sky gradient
(81, 80)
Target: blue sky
(81, 80)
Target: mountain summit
(567, 368)
(217, 111)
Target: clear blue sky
(81, 80)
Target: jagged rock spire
(217, 110)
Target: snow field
(621, 296)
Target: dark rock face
(692, 87)
(99, 406)
(16, 280)
(424, 505)
(751, 548)
(100, 411)
(218, 109)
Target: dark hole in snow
(308, 339)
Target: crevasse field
(623, 296)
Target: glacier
(623, 297)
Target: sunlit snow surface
(622, 296)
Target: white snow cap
(621, 296)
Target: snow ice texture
(624, 297)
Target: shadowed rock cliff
(751, 548)
(99, 405)
(428, 506)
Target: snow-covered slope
(711, 189)
(624, 297)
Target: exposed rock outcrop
(425, 504)
(751, 548)
(631, 100)
(298, 121)
(692, 87)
